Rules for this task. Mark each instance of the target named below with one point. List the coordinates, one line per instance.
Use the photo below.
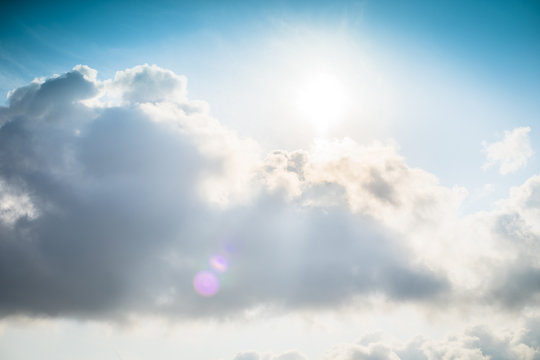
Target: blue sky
(496, 39)
(282, 180)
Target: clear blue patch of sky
(499, 39)
(500, 36)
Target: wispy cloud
(511, 153)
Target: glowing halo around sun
(322, 101)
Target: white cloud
(15, 205)
(134, 181)
(253, 355)
(511, 153)
(127, 172)
(477, 343)
(145, 83)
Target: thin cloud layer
(117, 193)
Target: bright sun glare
(322, 101)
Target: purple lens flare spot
(206, 283)
(219, 263)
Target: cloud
(515, 282)
(360, 352)
(113, 209)
(14, 205)
(248, 356)
(511, 153)
(116, 193)
(477, 343)
(146, 83)
(252, 355)
(112, 188)
(474, 343)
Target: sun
(322, 101)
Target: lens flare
(206, 283)
(219, 263)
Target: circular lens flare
(206, 283)
(219, 263)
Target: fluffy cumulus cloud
(473, 343)
(115, 193)
(511, 153)
(515, 225)
(478, 343)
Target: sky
(252, 180)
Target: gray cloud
(108, 216)
(516, 286)
(252, 355)
(515, 283)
